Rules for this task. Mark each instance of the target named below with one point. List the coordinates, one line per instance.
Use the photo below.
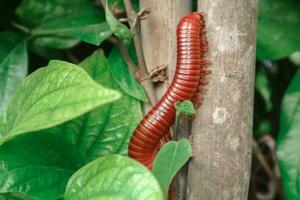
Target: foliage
(172, 156)
(288, 140)
(62, 126)
(113, 177)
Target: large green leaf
(278, 28)
(53, 95)
(108, 129)
(113, 177)
(36, 12)
(62, 24)
(169, 160)
(13, 65)
(288, 149)
(123, 77)
(55, 42)
(37, 165)
(88, 29)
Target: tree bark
(222, 130)
(158, 34)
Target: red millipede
(187, 84)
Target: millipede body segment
(187, 84)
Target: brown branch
(261, 159)
(135, 28)
(72, 57)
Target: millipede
(188, 84)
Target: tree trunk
(159, 35)
(222, 130)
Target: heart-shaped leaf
(123, 77)
(13, 65)
(113, 177)
(108, 129)
(172, 156)
(119, 29)
(185, 108)
(288, 149)
(37, 165)
(53, 95)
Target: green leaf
(62, 24)
(14, 196)
(37, 165)
(288, 151)
(295, 58)
(56, 42)
(278, 28)
(119, 29)
(186, 108)
(113, 177)
(36, 12)
(169, 161)
(53, 95)
(108, 129)
(123, 77)
(13, 65)
(88, 29)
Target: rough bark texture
(222, 130)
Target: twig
(262, 160)
(131, 65)
(72, 57)
(21, 27)
(135, 27)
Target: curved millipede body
(187, 84)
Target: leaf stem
(176, 129)
(21, 27)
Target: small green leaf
(13, 65)
(113, 177)
(37, 165)
(288, 149)
(53, 95)
(108, 129)
(119, 29)
(169, 161)
(278, 28)
(123, 77)
(185, 108)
